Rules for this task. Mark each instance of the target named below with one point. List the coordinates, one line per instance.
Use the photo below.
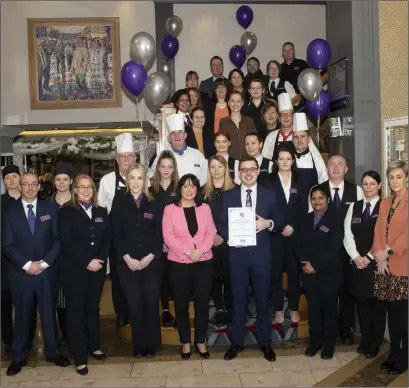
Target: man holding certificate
(248, 215)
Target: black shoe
(268, 352)
(122, 320)
(8, 348)
(233, 351)
(15, 368)
(150, 352)
(100, 356)
(388, 363)
(361, 350)
(346, 339)
(327, 353)
(138, 352)
(167, 319)
(185, 356)
(204, 355)
(312, 350)
(82, 371)
(372, 353)
(397, 369)
(60, 360)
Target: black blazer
(320, 245)
(21, 246)
(83, 238)
(296, 208)
(208, 141)
(137, 232)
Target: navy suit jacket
(207, 86)
(21, 246)
(266, 207)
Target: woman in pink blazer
(189, 232)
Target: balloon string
(172, 74)
(318, 130)
(138, 116)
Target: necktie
(138, 201)
(337, 199)
(272, 88)
(299, 154)
(249, 202)
(367, 211)
(87, 205)
(31, 218)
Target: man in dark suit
(216, 68)
(30, 242)
(191, 81)
(252, 263)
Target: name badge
(293, 191)
(99, 219)
(196, 165)
(296, 68)
(172, 194)
(45, 218)
(324, 229)
(356, 220)
(149, 216)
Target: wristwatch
(389, 251)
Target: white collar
(277, 80)
(373, 201)
(252, 188)
(281, 180)
(259, 159)
(340, 186)
(34, 203)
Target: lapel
(260, 198)
(401, 213)
(39, 214)
(280, 191)
(84, 214)
(22, 218)
(294, 185)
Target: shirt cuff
(44, 264)
(152, 255)
(272, 225)
(354, 255)
(26, 266)
(370, 256)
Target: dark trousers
(347, 308)
(165, 288)
(62, 320)
(398, 331)
(118, 296)
(372, 320)
(284, 260)
(27, 291)
(7, 318)
(186, 280)
(221, 290)
(142, 291)
(257, 270)
(322, 296)
(82, 290)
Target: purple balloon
(318, 107)
(134, 76)
(237, 56)
(170, 46)
(244, 16)
(318, 53)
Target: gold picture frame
(74, 63)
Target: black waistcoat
(349, 196)
(230, 163)
(279, 89)
(263, 171)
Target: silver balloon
(157, 89)
(249, 42)
(310, 83)
(174, 25)
(143, 49)
(164, 67)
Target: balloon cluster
(310, 82)
(134, 73)
(248, 40)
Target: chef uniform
(112, 185)
(188, 160)
(310, 164)
(276, 139)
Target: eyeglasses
(286, 114)
(246, 170)
(123, 158)
(27, 185)
(85, 188)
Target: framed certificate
(242, 226)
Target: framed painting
(74, 63)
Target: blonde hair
(228, 184)
(397, 164)
(155, 180)
(74, 196)
(139, 167)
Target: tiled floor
(249, 370)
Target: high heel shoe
(184, 355)
(98, 356)
(204, 355)
(83, 371)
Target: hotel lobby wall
(134, 16)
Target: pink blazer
(177, 237)
(398, 235)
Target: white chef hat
(124, 143)
(284, 102)
(300, 122)
(175, 122)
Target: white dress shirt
(286, 187)
(107, 189)
(349, 240)
(341, 186)
(88, 211)
(253, 196)
(26, 266)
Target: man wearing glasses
(111, 186)
(30, 242)
(252, 263)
